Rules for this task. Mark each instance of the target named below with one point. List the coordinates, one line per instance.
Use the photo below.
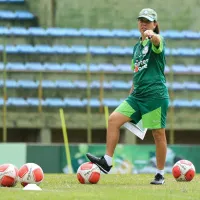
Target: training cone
(32, 187)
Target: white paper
(136, 129)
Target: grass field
(110, 187)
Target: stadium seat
(53, 66)
(37, 31)
(11, 1)
(11, 49)
(22, 14)
(36, 102)
(70, 67)
(34, 66)
(104, 33)
(11, 84)
(62, 32)
(44, 49)
(80, 84)
(64, 84)
(120, 85)
(73, 102)
(93, 102)
(86, 32)
(48, 84)
(120, 33)
(16, 101)
(15, 66)
(99, 50)
(182, 103)
(54, 102)
(111, 102)
(107, 67)
(28, 84)
(25, 48)
(18, 31)
(192, 85)
(124, 68)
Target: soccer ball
(8, 175)
(183, 170)
(88, 173)
(30, 173)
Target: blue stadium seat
(121, 85)
(78, 49)
(4, 30)
(84, 67)
(48, 84)
(177, 86)
(181, 103)
(12, 84)
(73, 102)
(34, 66)
(44, 49)
(36, 102)
(124, 68)
(194, 68)
(70, 67)
(62, 32)
(93, 102)
(95, 84)
(86, 32)
(18, 31)
(135, 33)
(167, 69)
(111, 102)
(116, 50)
(80, 84)
(94, 68)
(15, 66)
(11, 49)
(28, 84)
(1, 102)
(16, 101)
(107, 85)
(54, 102)
(107, 67)
(192, 85)
(7, 14)
(11, 1)
(180, 69)
(64, 84)
(172, 34)
(190, 34)
(104, 33)
(53, 66)
(63, 49)
(121, 33)
(25, 48)
(37, 31)
(99, 50)
(195, 103)
(22, 14)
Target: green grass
(67, 187)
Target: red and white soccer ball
(88, 173)
(183, 170)
(30, 173)
(8, 175)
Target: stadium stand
(56, 60)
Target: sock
(162, 172)
(108, 159)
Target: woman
(148, 99)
